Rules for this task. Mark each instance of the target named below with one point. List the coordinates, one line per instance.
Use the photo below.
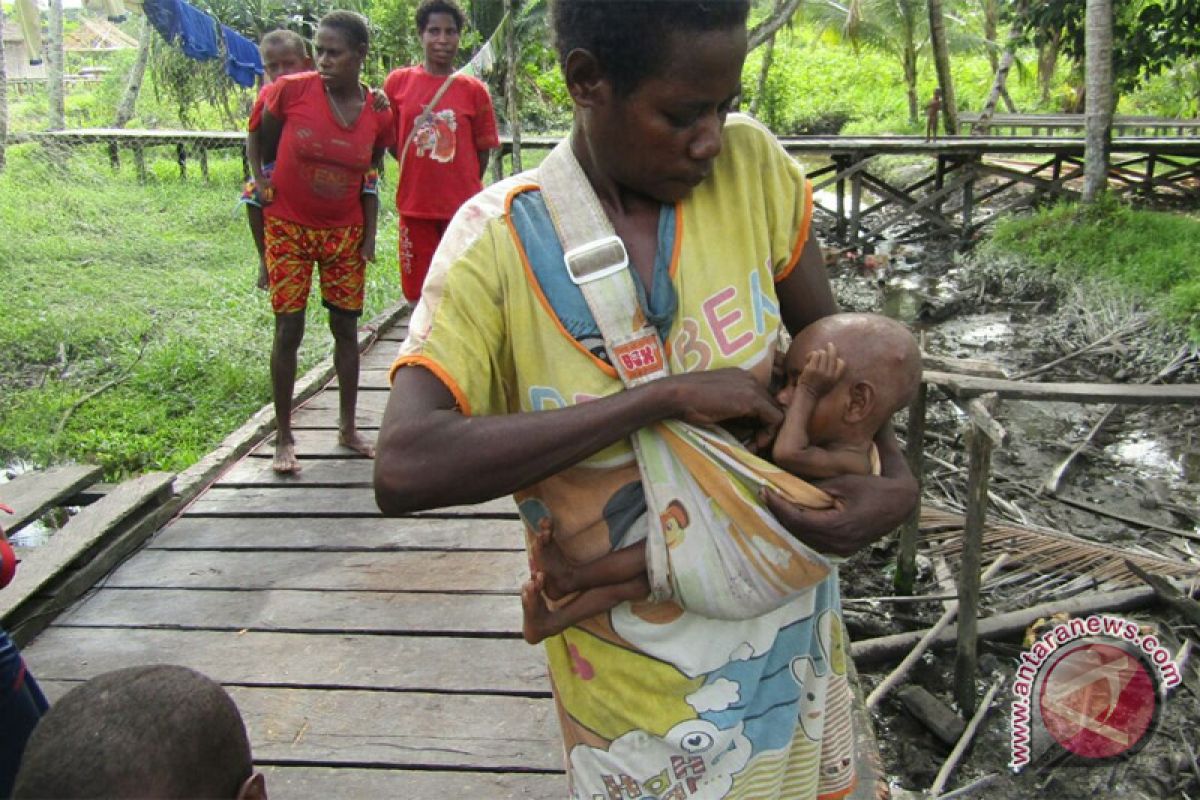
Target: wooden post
(939, 180)
(139, 158)
(968, 203)
(1148, 181)
(855, 201)
(982, 433)
(906, 558)
(204, 161)
(839, 164)
(181, 157)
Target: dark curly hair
(353, 26)
(430, 7)
(627, 36)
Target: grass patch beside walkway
(1149, 254)
(153, 284)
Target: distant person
(160, 731)
(932, 109)
(834, 408)
(330, 143)
(283, 53)
(22, 703)
(446, 128)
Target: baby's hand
(379, 100)
(822, 370)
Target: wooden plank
(353, 533)
(316, 783)
(299, 611)
(279, 501)
(31, 494)
(312, 443)
(382, 356)
(350, 470)
(496, 573)
(370, 403)
(371, 380)
(81, 535)
(346, 661)
(966, 386)
(393, 729)
(322, 416)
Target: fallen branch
(1004, 625)
(973, 786)
(1168, 594)
(952, 760)
(889, 682)
(1049, 365)
(117, 381)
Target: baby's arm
(793, 451)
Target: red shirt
(441, 169)
(320, 164)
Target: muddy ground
(1144, 463)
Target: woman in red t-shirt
(445, 143)
(325, 138)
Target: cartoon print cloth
(441, 169)
(654, 701)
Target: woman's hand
(865, 508)
(709, 398)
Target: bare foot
(539, 622)
(354, 440)
(546, 558)
(285, 462)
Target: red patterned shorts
(292, 249)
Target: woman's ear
(860, 402)
(585, 79)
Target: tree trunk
(761, 88)
(910, 82)
(1048, 65)
(55, 67)
(941, 59)
(767, 28)
(3, 97)
(134, 85)
(991, 22)
(510, 83)
(1099, 97)
(989, 108)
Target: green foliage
(1150, 254)
(151, 283)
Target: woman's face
(660, 140)
(337, 60)
(440, 40)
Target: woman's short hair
(430, 7)
(627, 36)
(285, 38)
(354, 26)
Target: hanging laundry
(197, 33)
(114, 10)
(242, 60)
(31, 28)
(164, 16)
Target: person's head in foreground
(159, 731)
(652, 81)
(283, 52)
(881, 376)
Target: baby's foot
(546, 558)
(540, 621)
(354, 440)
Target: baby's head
(158, 731)
(283, 53)
(882, 373)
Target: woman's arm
(866, 508)
(430, 455)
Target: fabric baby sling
(711, 544)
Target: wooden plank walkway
(369, 657)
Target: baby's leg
(542, 622)
(564, 576)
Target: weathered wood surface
(82, 533)
(298, 610)
(297, 501)
(347, 534)
(494, 573)
(313, 442)
(396, 663)
(33, 493)
(967, 386)
(350, 727)
(314, 783)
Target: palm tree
(1099, 96)
(137, 74)
(941, 60)
(56, 67)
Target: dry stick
(973, 786)
(1119, 332)
(952, 760)
(124, 376)
(947, 617)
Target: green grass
(106, 277)
(1149, 254)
